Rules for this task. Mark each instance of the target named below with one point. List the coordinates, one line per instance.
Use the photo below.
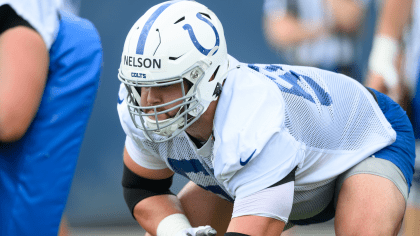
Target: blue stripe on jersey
(146, 28)
(217, 190)
(187, 166)
(254, 67)
(292, 78)
(273, 68)
(184, 167)
(323, 96)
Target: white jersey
(270, 119)
(42, 15)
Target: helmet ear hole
(214, 74)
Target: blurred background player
(394, 69)
(327, 34)
(50, 63)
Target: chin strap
(170, 129)
(219, 86)
(209, 55)
(218, 89)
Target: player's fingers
(208, 231)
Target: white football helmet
(172, 42)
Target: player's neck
(203, 127)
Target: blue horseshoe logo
(197, 45)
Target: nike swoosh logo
(120, 100)
(247, 160)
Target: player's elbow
(12, 131)
(8, 137)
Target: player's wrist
(172, 224)
(382, 59)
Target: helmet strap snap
(218, 89)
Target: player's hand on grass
(199, 231)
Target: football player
(50, 65)
(265, 146)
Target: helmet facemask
(189, 107)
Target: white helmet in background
(173, 41)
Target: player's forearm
(393, 17)
(383, 73)
(151, 211)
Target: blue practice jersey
(36, 171)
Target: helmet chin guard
(172, 42)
